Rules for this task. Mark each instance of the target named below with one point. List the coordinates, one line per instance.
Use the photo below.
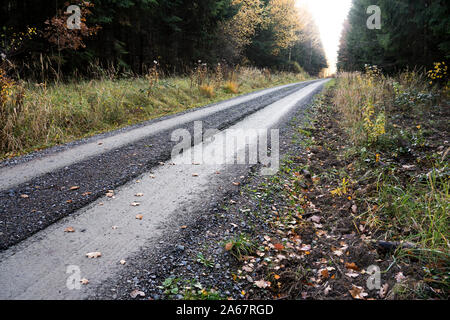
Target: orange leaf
(278, 246)
(229, 246)
(352, 266)
(324, 273)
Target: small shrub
(240, 246)
(231, 87)
(207, 90)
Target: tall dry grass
(35, 116)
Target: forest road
(54, 209)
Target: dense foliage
(412, 34)
(130, 35)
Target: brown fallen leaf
(324, 273)
(183, 227)
(69, 229)
(352, 266)
(357, 292)
(86, 194)
(84, 281)
(228, 246)
(95, 254)
(140, 194)
(278, 246)
(195, 174)
(24, 196)
(135, 204)
(136, 293)
(69, 201)
(74, 188)
(139, 216)
(236, 183)
(122, 262)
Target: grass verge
(36, 116)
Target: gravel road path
(147, 197)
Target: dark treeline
(414, 33)
(132, 34)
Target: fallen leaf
(86, 194)
(135, 204)
(278, 246)
(305, 247)
(236, 183)
(140, 194)
(327, 290)
(352, 274)
(195, 174)
(69, 201)
(139, 216)
(357, 292)
(352, 266)
(276, 277)
(324, 273)
(114, 227)
(262, 284)
(122, 262)
(110, 194)
(69, 229)
(228, 246)
(183, 227)
(383, 290)
(136, 293)
(354, 208)
(315, 219)
(84, 281)
(247, 268)
(94, 254)
(24, 196)
(74, 188)
(400, 277)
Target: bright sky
(329, 16)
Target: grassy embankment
(35, 116)
(396, 169)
